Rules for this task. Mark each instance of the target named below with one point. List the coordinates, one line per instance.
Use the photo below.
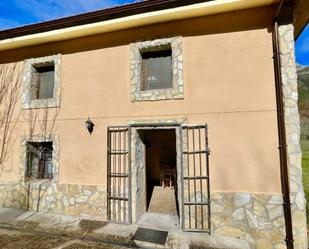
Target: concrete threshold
(118, 234)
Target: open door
(195, 178)
(118, 174)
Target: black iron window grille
(39, 160)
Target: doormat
(150, 235)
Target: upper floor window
(157, 70)
(41, 82)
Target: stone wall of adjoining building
(289, 82)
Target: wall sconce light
(89, 125)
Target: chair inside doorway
(161, 173)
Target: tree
(10, 93)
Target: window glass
(43, 82)
(156, 70)
(39, 160)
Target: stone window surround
(177, 92)
(27, 102)
(55, 161)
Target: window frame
(41, 72)
(38, 138)
(160, 55)
(28, 102)
(136, 50)
(41, 160)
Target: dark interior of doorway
(161, 173)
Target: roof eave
(132, 21)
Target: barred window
(39, 160)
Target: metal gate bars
(118, 174)
(194, 167)
(195, 178)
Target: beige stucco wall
(229, 83)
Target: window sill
(36, 182)
(41, 103)
(160, 94)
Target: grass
(305, 166)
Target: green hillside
(303, 104)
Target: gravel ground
(11, 238)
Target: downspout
(282, 136)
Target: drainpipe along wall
(282, 133)
(282, 141)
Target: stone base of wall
(256, 218)
(77, 200)
(13, 194)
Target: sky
(302, 47)
(14, 13)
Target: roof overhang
(130, 21)
(301, 16)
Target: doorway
(156, 165)
(161, 173)
(132, 177)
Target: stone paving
(12, 238)
(35, 230)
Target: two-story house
(178, 109)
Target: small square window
(39, 160)
(156, 68)
(42, 83)
(156, 71)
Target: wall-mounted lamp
(89, 126)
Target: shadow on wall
(10, 92)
